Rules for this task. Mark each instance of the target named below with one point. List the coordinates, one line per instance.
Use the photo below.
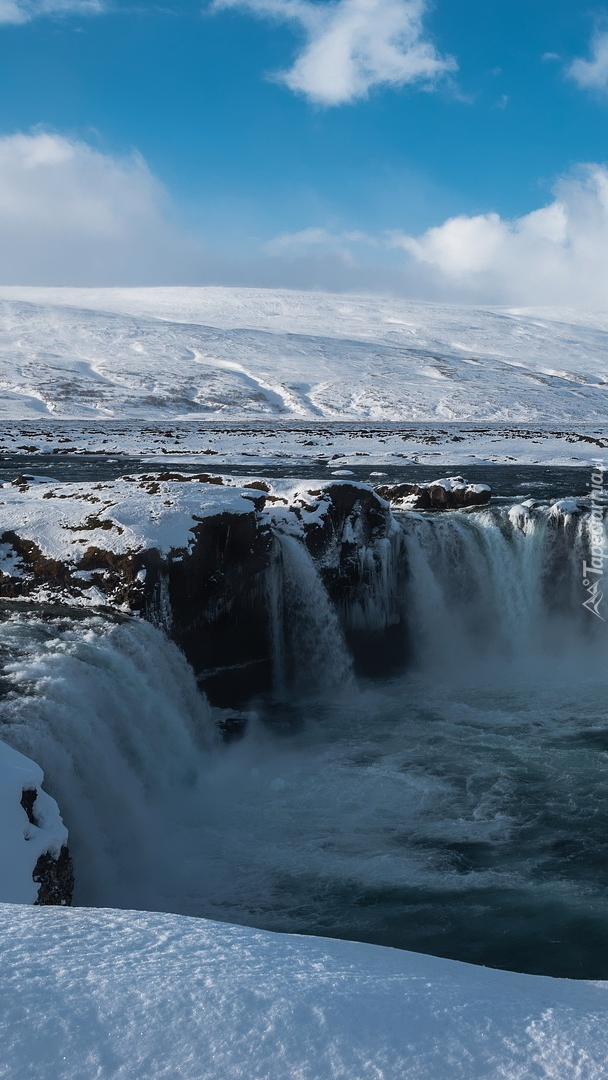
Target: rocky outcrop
(451, 493)
(358, 546)
(53, 872)
(212, 600)
(35, 864)
(55, 875)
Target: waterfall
(457, 807)
(309, 651)
(503, 583)
(382, 568)
(112, 713)
(498, 585)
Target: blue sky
(270, 153)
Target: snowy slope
(237, 353)
(134, 996)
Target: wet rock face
(340, 522)
(56, 878)
(340, 504)
(353, 537)
(212, 600)
(195, 556)
(53, 873)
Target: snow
(237, 353)
(172, 371)
(267, 378)
(458, 485)
(134, 996)
(566, 506)
(21, 842)
(124, 515)
(265, 445)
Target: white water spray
(500, 585)
(113, 715)
(384, 815)
(310, 653)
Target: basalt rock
(56, 878)
(157, 546)
(451, 493)
(212, 601)
(352, 535)
(53, 873)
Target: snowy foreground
(105, 994)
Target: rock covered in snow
(451, 493)
(35, 865)
(195, 555)
(565, 508)
(358, 547)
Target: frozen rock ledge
(35, 864)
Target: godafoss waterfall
(317, 714)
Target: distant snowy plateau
(487, 384)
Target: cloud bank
(71, 214)
(555, 255)
(353, 45)
(592, 74)
(22, 11)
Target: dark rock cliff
(195, 556)
(53, 873)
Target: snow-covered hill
(214, 353)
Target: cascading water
(459, 808)
(112, 713)
(309, 652)
(496, 586)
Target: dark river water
(506, 481)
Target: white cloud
(558, 254)
(315, 239)
(592, 74)
(11, 12)
(353, 45)
(70, 214)
(21, 11)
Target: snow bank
(134, 996)
(21, 841)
